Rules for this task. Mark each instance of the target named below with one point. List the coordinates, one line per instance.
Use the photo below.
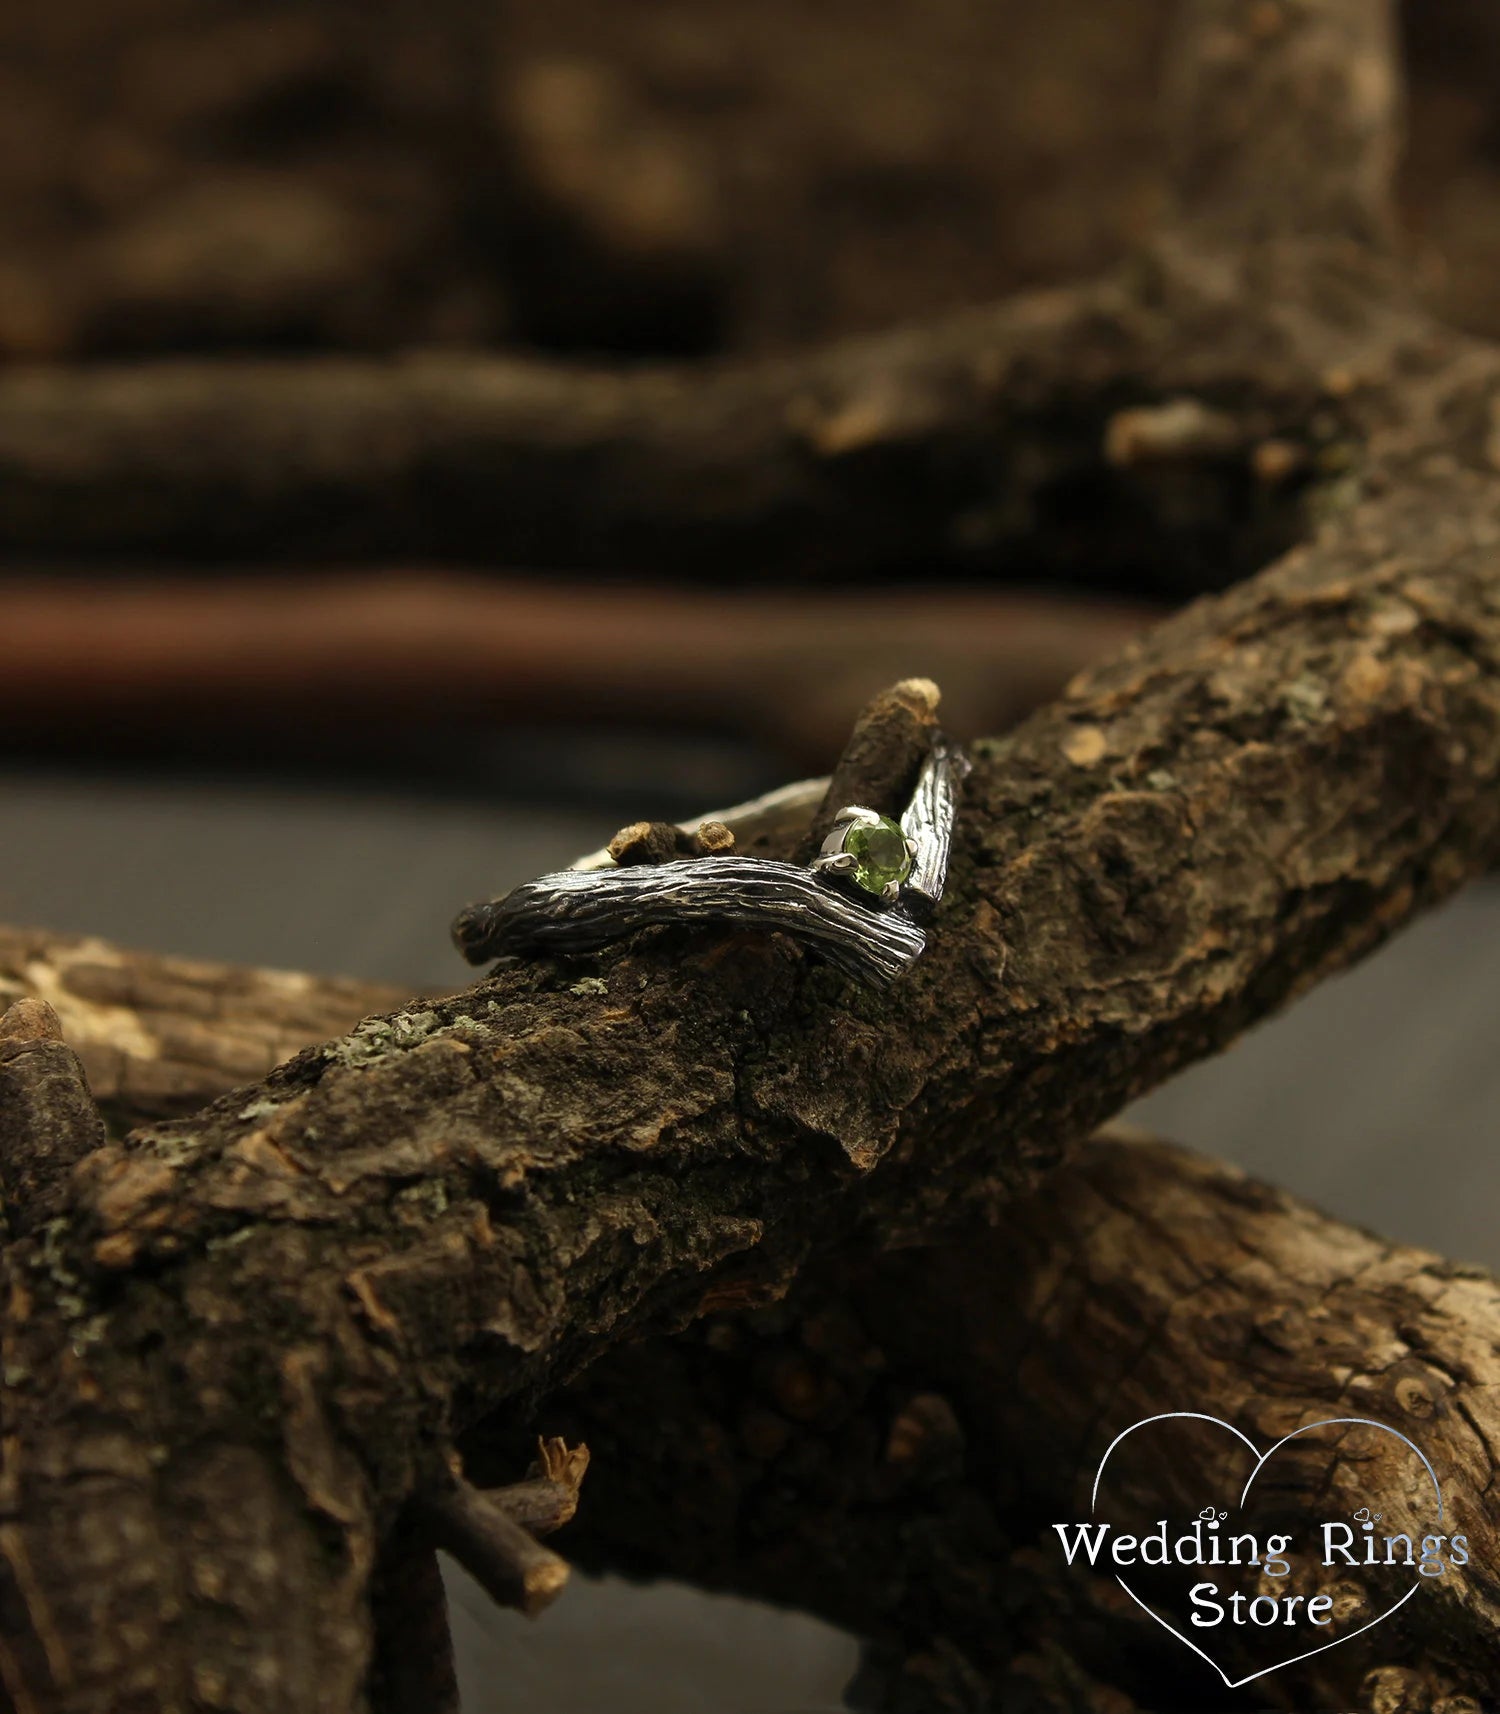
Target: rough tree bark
(891, 1444)
(242, 1351)
(160, 1035)
(265, 1324)
(880, 1446)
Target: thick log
(1012, 1339)
(891, 1445)
(1121, 1229)
(1149, 1279)
(1026, 1317)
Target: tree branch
(1286, 118)
(492, 1536)
(971, 436)
(891, 1445)
(508, 1563)
(1124, 1226)
(247, 1344)
(1269, 1313)
(161, 1035)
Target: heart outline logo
(1261, 1460)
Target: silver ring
(859, 904)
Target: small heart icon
(1211, 1514)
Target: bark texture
(1287, 121)
(268, 1322)
(882, 1447)
(591, 177)
(1149, 1276)
(890, 1446)
(980, 439)
(582, 177)
(48, 1120)
(160, 1035)
(243, 1350)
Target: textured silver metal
(585, 907)
(580, 910)
(929, 817)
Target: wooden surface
(1377, 1097)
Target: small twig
(713, 839)
(492, 1533)
(650, 842)
(662, 841)
(513, 1568)
(548, 1498)
(880, 762)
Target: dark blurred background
(668, 177)
(311, 760)
(673, 180)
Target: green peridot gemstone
(880, 855)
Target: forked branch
(243, 1344)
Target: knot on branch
(664, 841)
(48, 1119)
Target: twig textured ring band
(858, 905)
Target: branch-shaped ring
(856, 905)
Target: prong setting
(856, 815)
(867, 851)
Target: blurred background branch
(252, 660)
(661, 179)
(521, 194)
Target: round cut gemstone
(879, 852)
